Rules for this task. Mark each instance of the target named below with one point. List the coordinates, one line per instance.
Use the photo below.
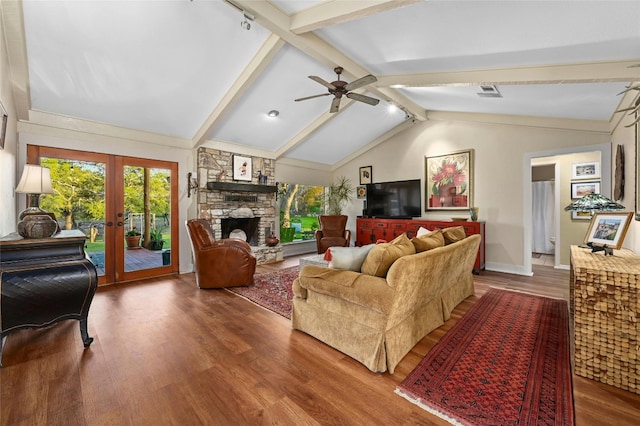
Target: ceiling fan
(341, 88)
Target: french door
(111, 198)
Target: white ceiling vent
(489, 91)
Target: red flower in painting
(449, 172)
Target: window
(300, 206)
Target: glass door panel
(147, 213)
(78, 201)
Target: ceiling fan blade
(363, 98)
(367, 79)
(335, 105)
(631, 108)
(311, 97)
(323, 82)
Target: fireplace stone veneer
(233, 202)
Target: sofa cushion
(349, 258)
(453, 234)
(429, 241)
(382, 256)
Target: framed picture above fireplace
(242, 168)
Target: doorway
(111, 198)
(544, 210)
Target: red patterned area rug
(271, 290)
(506, 362)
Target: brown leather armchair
(224, 263)
(332, 232)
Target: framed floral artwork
(449, 181)
(361, 192)
(242, 168)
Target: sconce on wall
(192, 184)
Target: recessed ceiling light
(273, 113)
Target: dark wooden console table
(43, 281)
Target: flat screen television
(399, 199)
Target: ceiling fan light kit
(340, 88)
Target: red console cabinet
(370, 230)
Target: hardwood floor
(166, 352)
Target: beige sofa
(377, 320)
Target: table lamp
(35, 222)
(592, 203)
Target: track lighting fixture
(246, 24)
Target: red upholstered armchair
(332, 232)
(224, 263)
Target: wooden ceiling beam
(339, 11)
(597, 72)
(252, 71)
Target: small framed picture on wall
(590, 170)
(366, 175)
(242, 168)
(580, 189)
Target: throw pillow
(349, 258)
(453, 234)
(382, 256)
(427, 242)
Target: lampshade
(594, 203)
(35, 180)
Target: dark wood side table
(43, 281)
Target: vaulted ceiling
(188, 72)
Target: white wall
(8, 154)
(626, 136)
(500, 144)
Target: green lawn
(98, 246)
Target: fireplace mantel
(245, 187)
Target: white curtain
(543, 217)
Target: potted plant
(132, 237)
(339, 193)
(155, 239)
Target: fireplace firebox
(243, 228)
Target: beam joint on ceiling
(274, 20)
(252, 71)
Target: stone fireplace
(243, 210)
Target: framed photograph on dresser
(608, 229)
